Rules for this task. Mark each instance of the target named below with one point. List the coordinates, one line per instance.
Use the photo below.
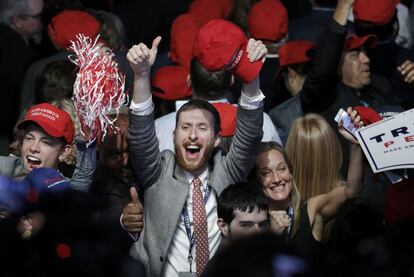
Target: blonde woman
(311, 136)
(302, 222)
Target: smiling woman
(302, 223)
(273, 172)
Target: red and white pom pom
(99, 87)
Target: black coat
(15, 57)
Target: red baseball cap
(295, 52)
(64, 27)
(54, 121)
(170, 83)
(221, 45)
(206, 10)
(379, 12)
(268, 20)
(183, 33)
(227, 118)
(353, 42)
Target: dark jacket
(15, 57)
(114, 194)
(318, 90)
(384, 60)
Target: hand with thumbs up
(141, 58)
(132, 215)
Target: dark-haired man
(242, 211)
(180, 233)
(380, 19)
(310, 75)
(114, 176)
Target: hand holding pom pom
(99, 87)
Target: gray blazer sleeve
(85, 166)
(144, 149)
(11, 166)
(241, 157)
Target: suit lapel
(178, 189)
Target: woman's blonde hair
(316, 155)
(295, 199)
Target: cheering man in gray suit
(180, 189)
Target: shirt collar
(203, 177)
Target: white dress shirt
(177, 258)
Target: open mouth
(33, 161)
(192, 151)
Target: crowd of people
(225, 159)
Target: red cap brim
(355, 42)
(245, 70)
(46, 127)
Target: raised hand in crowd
(343, 7)
(141, 58)
(407, 71)
(132, 215)
(256, 51)
(357, 121)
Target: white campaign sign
(389, 144)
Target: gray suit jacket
(11, 166)
(166, 187)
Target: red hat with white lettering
(221, 45)
(54, 121)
